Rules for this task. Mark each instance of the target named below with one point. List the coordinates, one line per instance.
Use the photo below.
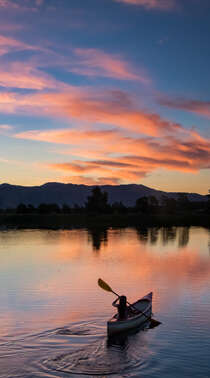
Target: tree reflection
(143, 234)
(183, 236)
(168, 234)
(153, 235)
(98, 237)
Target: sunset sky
(105, 92)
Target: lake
(53, 314)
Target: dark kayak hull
(144, 305)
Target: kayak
(136, 317)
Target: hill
(12, 195)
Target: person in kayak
(121, 307)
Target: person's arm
(115, 304)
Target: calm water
(53, 315)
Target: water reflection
(209, 242)
(142, 234)
(48, 282)
(168, 234)
(98, 237)
(154, 232)
(184, 233)
(122, 340)
(122, 355)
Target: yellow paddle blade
(104, 285)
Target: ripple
(124, 355)
(73, 332)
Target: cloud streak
(113, 108)
(20, 5)
(95, 62)
(194, 106)
(122, 159)
(24, 76)
(8, 44)
(151, 4)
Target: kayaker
(121, 307)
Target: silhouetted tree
(119, 208)
(97, 202)
(78, 209)
(142, 205)
(169, 204)
(153, 204)
(183, 201)
(50, 208)
(21, 209)
(31, 209)
(66, 209)
(207, 207)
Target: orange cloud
(96, 170)
(84, 180)
(111, 108)
(69, 136)
(135, 159)
(114, 156)
(151, 4)
(120, 153)
(108, 108)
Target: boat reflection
(122, 339)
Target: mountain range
(12, 195)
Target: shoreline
(69, 221)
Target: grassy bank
(67, 221)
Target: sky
(105, 92)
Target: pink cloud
(6, 129)
(92, 62)
(195, 106)
(8, 4)
(95, 62)
(20, 5)
(151, 4)
(22, 75)
(8, 102)
(8, 44)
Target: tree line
(97, 203)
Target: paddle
(106, 287)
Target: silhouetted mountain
(12, 195)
